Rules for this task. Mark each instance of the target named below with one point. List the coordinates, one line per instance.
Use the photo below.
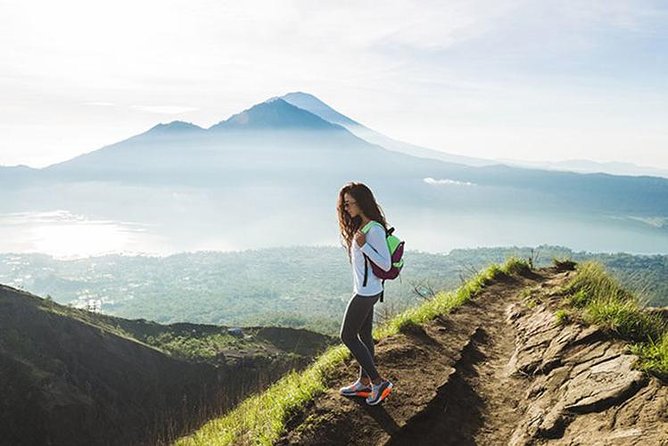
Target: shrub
(654, 356)
(562, 317)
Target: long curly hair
(367, 204)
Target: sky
(517, 79)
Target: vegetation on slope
(261, 419)
(72, 376)
(598, 298)
(201, 342)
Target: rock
(603, 385)
(578, 376)
(554, 423)
(552, 356)
(588, 335)
(588, 352)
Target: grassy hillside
(71, 377)
(595, 297)
(262, 418)
(592, 295)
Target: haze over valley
(268, 176)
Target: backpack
(396, 248)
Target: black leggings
(356, 333)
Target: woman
(358, 211)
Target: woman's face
(350, 205)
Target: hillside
(518, 363)
(70, 377)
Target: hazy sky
(534, 80)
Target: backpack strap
(366, 275)
(368, 226)
(366, 269)
(365, 230)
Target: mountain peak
(308, 102)
(275, 113)
(175, 127)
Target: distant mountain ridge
(275, 163)
(245, 138)
(175, 128)
(588, 166)
(317, 107)
(268, 116)
(276, 142)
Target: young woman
(358, 210)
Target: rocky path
(480, 403)
(499, 370)
(450, 378)
(582, 387)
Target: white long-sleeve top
(377, 251)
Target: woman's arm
(376, 248)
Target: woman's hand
(360, 238)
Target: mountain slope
(18, 176)
(275, 164)
(319, 108)
(69, 377)
(501, 369)
(316, 106)
(275, 144)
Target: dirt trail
(480, 403)
(500, 370)
(452, 386)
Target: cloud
(447, 182)
(100, 104)
(443, 74)
(164, 109)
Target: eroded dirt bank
(499, 370)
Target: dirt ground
(451, 384)
(459, 380)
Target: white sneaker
(356, 389)
(379, 392)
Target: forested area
(297, 287)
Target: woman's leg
(356, 315)
(366, 337)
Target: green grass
(444, 301)
(654, 356)
(599, 299)
(190, 347)
(530, 297)
(562, 316)
(261, 419)
(592, 283)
